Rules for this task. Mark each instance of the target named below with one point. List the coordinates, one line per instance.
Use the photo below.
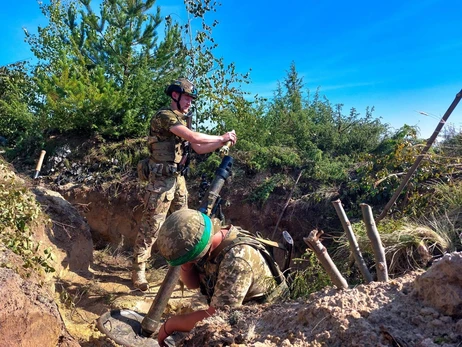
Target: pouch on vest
(143, 170)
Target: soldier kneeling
(229, 270)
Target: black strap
(244, 238)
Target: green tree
(351, 134)
(103, 71)
(380, 173)
(16, 97)
(247, 118)
(294, 87)
(287, 114)
(452, 141)
(219, 84)
(313, 129)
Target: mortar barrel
(151, 321)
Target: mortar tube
(221, 174)
(151, 321)
(39, 164)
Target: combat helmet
(182, 86)
(185, 236)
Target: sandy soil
(377, 314)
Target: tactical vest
(237, 236)
(166, 148)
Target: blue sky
(399, 56)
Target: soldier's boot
(139, 276)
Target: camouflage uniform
(241, 276)
(231, 274)
(166, 190)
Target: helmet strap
(177, 101)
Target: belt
(164, 169)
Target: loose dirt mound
(377, 314)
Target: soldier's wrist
(165, 328)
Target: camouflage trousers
(164, 194)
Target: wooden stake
(377, 247)
(352, 241)
(39, 164)
(313, 241)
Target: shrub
(309, 280)
(408, 245)
(262, 192)
(18, 211)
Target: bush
(261, 193)
(312, 279)
(19, 211)
(273, 157)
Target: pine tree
(219, 84)
(16, 98)
(104, 71)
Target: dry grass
(408, 245)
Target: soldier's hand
(230, 136)
(162, 335)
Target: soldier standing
(168, 141)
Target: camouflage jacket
(165, 146)
(241, 274)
